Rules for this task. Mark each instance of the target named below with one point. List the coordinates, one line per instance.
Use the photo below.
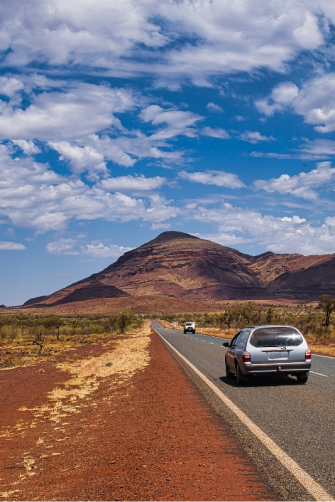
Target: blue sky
(122, 119)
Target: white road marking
(319, 355)
(302, 476)
(321, 374)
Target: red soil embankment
(156, 439)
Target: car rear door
(230, 355)
(270, 348)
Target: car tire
(240, 379)
(302, 378)
(228, 372)
(184, 331)
(193, 332)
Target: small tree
(53, 322)
(269, 316)
(228, 317)
(327, 304)
(125, 319)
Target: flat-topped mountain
(185, 266)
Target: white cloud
(213, 36)
(277, 234)
(28, 147)
(10, 86)
(34, 196)
(82, 159)
(62, 246)
(215, 132)
(300, 184)
(131, 183)
(83, 110)
(102, 251)
(218, 178)
(281, 96)
(160, 226)
(308, 35)
(94, 249)
(214, 107)
(254, 137)
(177, 122)
(330, 221)
(11, 246)
(315, 101)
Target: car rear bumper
(280, 368)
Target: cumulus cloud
(83, 110)
(9, 86)
(214, 107)
(213, 36)
(81, 159)
(34, 196)
(215, 132)
(254, 137)
(160, 226)
(131, 183)
(62, 246)
(299, 185)
(319, 148)
(315, 101)
(278, 234)
(100, 250)
(209, 177)
(177, 122)
(11, 246)
(28, 147)
(93, 249)
(282, 95)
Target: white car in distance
(189, 327)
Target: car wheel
(240, 379)
(184, 332)
(228, 372)
(194, 332)
(302, 377)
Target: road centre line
(302, 476)
(321, 374)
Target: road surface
(299, 419)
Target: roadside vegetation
(315, 321)
(25, 339)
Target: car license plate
(282, 354)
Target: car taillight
(308, 355)
(246, 357)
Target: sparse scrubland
(27, 338)
(313, 320)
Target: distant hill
(181, 265)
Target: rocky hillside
(184, 266)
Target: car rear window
(276, 337)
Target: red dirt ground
(156, 440)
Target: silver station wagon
(268, 350)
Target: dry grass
(326, 350)
(26, 353)
(314, 344)
(130, 355)
(219, 332)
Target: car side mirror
(226, 344)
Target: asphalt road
(299, 418)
